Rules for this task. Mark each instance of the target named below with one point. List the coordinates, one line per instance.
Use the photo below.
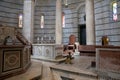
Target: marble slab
(50, 51)
(108, 60)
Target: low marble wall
(50, 51)
(108, 60)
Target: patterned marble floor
(42, 68)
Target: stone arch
(81, 7)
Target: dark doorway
(82, 34)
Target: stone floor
(79, 70)
(33, 72)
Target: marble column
(28, 19)
(58, 28)
(90, 22)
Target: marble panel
(108, 60)
(50, 51)
(11, 60)
(26, 56)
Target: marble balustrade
(50, 51)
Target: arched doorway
(82, 34)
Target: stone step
(48, 59)
(70, 70)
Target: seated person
(72, 47)
(69, 48)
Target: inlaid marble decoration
(11, 60)
(26, 56)
(39, 50)
(6, 31)
(47, 50)
(108, 60)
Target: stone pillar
(28, 19)
(90, 22)
(58, 28)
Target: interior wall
(104, 23)
(48, 8)
(72, 19)
(68, 29)
(9, 10)
(81, 15)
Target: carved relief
(47, 51)
(7, 32)
(39, 50)
(11, 60)
(13, 33)
(16, 57)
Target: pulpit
(15, 52)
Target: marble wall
(104, 24)
(74, 15)
(47, 9)
(9, 10)
(71, 19)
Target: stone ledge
(74, 70)
(48, 59)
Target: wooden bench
(88, 50)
